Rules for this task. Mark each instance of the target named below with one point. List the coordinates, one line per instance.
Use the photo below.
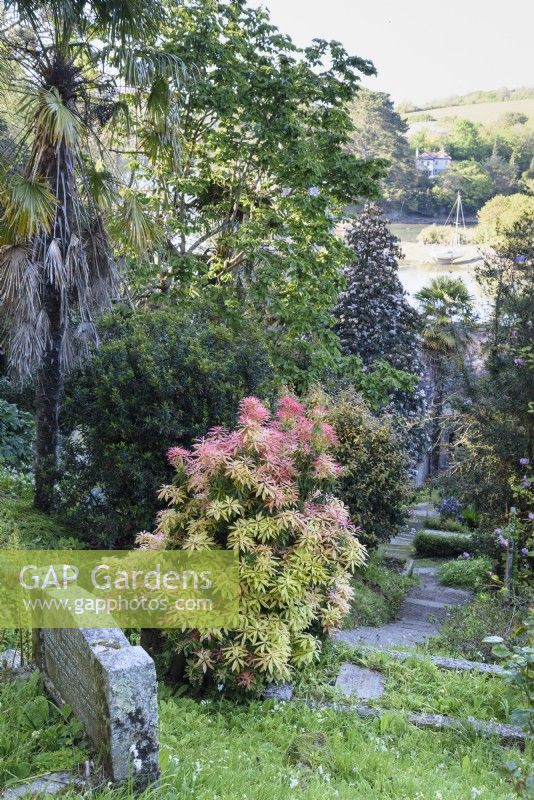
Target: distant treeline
(495, 95)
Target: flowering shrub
(450, 507)
(262, 490)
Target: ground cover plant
(379, 591)
(35, 736)
(21, 525)
(215, 750)
(489, 614)
(415, 684)
(419, 685)
(466, 573)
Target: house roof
(439, 154)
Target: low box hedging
(433, 545)
(441, 524)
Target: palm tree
(71, 66)
(447, 312)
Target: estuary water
(417, 268)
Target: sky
(422, 50)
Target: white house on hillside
(432, 163)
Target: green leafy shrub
(35, 736)
(519, 661)
(374, 484)
(442, 524)
(17, 434)
(378, 594)
(466, 573)
(262, 491)
(433, 545)
(158, 378)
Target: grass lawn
(414, 685)
(485, 113)
(217, 750)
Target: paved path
(426, 605)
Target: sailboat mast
(456, 236)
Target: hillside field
(486, 113)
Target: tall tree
(447, 311)
(66, 62)
(380, 132)
(374, 319)
(249, 211)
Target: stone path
(426, 605)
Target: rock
(10, 659)
(278, 691)
(366, 684)
(48, 784)
(111, 688)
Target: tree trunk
(47, 399)
(437, 423)
(58, 170)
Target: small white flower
(293, 783)
(475, 792)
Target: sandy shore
(417, 253)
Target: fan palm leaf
(57, 269)
(29, 206)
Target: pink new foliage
(264, 490)
(278, 443)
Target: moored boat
(453, 251)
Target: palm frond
(99, 185)
(138, 230)
(29, 206)
(128, 19)
(20, 310)
(51, 119)
(142, 66)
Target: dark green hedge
(430, 545)
(160, 378)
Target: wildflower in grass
(524, 462)
(519, 361)
(466, 555)
(524, 551)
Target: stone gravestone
(111, 688)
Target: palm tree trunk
(437, 422)
(59, 173)
(47, 399)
